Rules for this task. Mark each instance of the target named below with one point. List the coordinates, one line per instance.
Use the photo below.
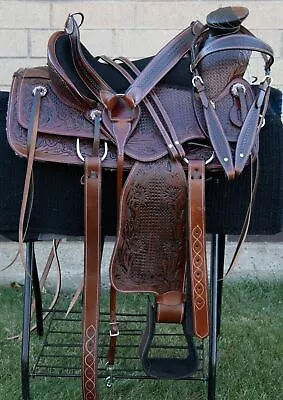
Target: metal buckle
(81, 157)
(195, 78)
(114, 334)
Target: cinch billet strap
(92, 204)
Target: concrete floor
(258, 260)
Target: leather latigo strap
(92, 204)
(197, 247)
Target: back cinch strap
(167, 367)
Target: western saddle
(168, 136)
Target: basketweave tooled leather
(60, 125)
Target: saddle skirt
(61, 125)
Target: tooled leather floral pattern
(150, 250)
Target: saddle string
(26, 218)
(28, 196)
(27, 221)
(246, 223)
(38, 92)
(52, 255)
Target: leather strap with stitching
(197, 247)
(92, 204)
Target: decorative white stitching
(197, 248)
(89, 362)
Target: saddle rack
(51, 360)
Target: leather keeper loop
(170, 307)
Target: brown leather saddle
(169, 136)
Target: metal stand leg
(26, 322)
(220, 268)
(37, 297)
(214, 312)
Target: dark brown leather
(235, 42)
(227, 19)
(142, 145)
(197, 250)
(59, 125)
(92, 198)
(157, 131)
(151, 231)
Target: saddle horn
(226, 19)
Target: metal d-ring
(81, 157)
(206, 161)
